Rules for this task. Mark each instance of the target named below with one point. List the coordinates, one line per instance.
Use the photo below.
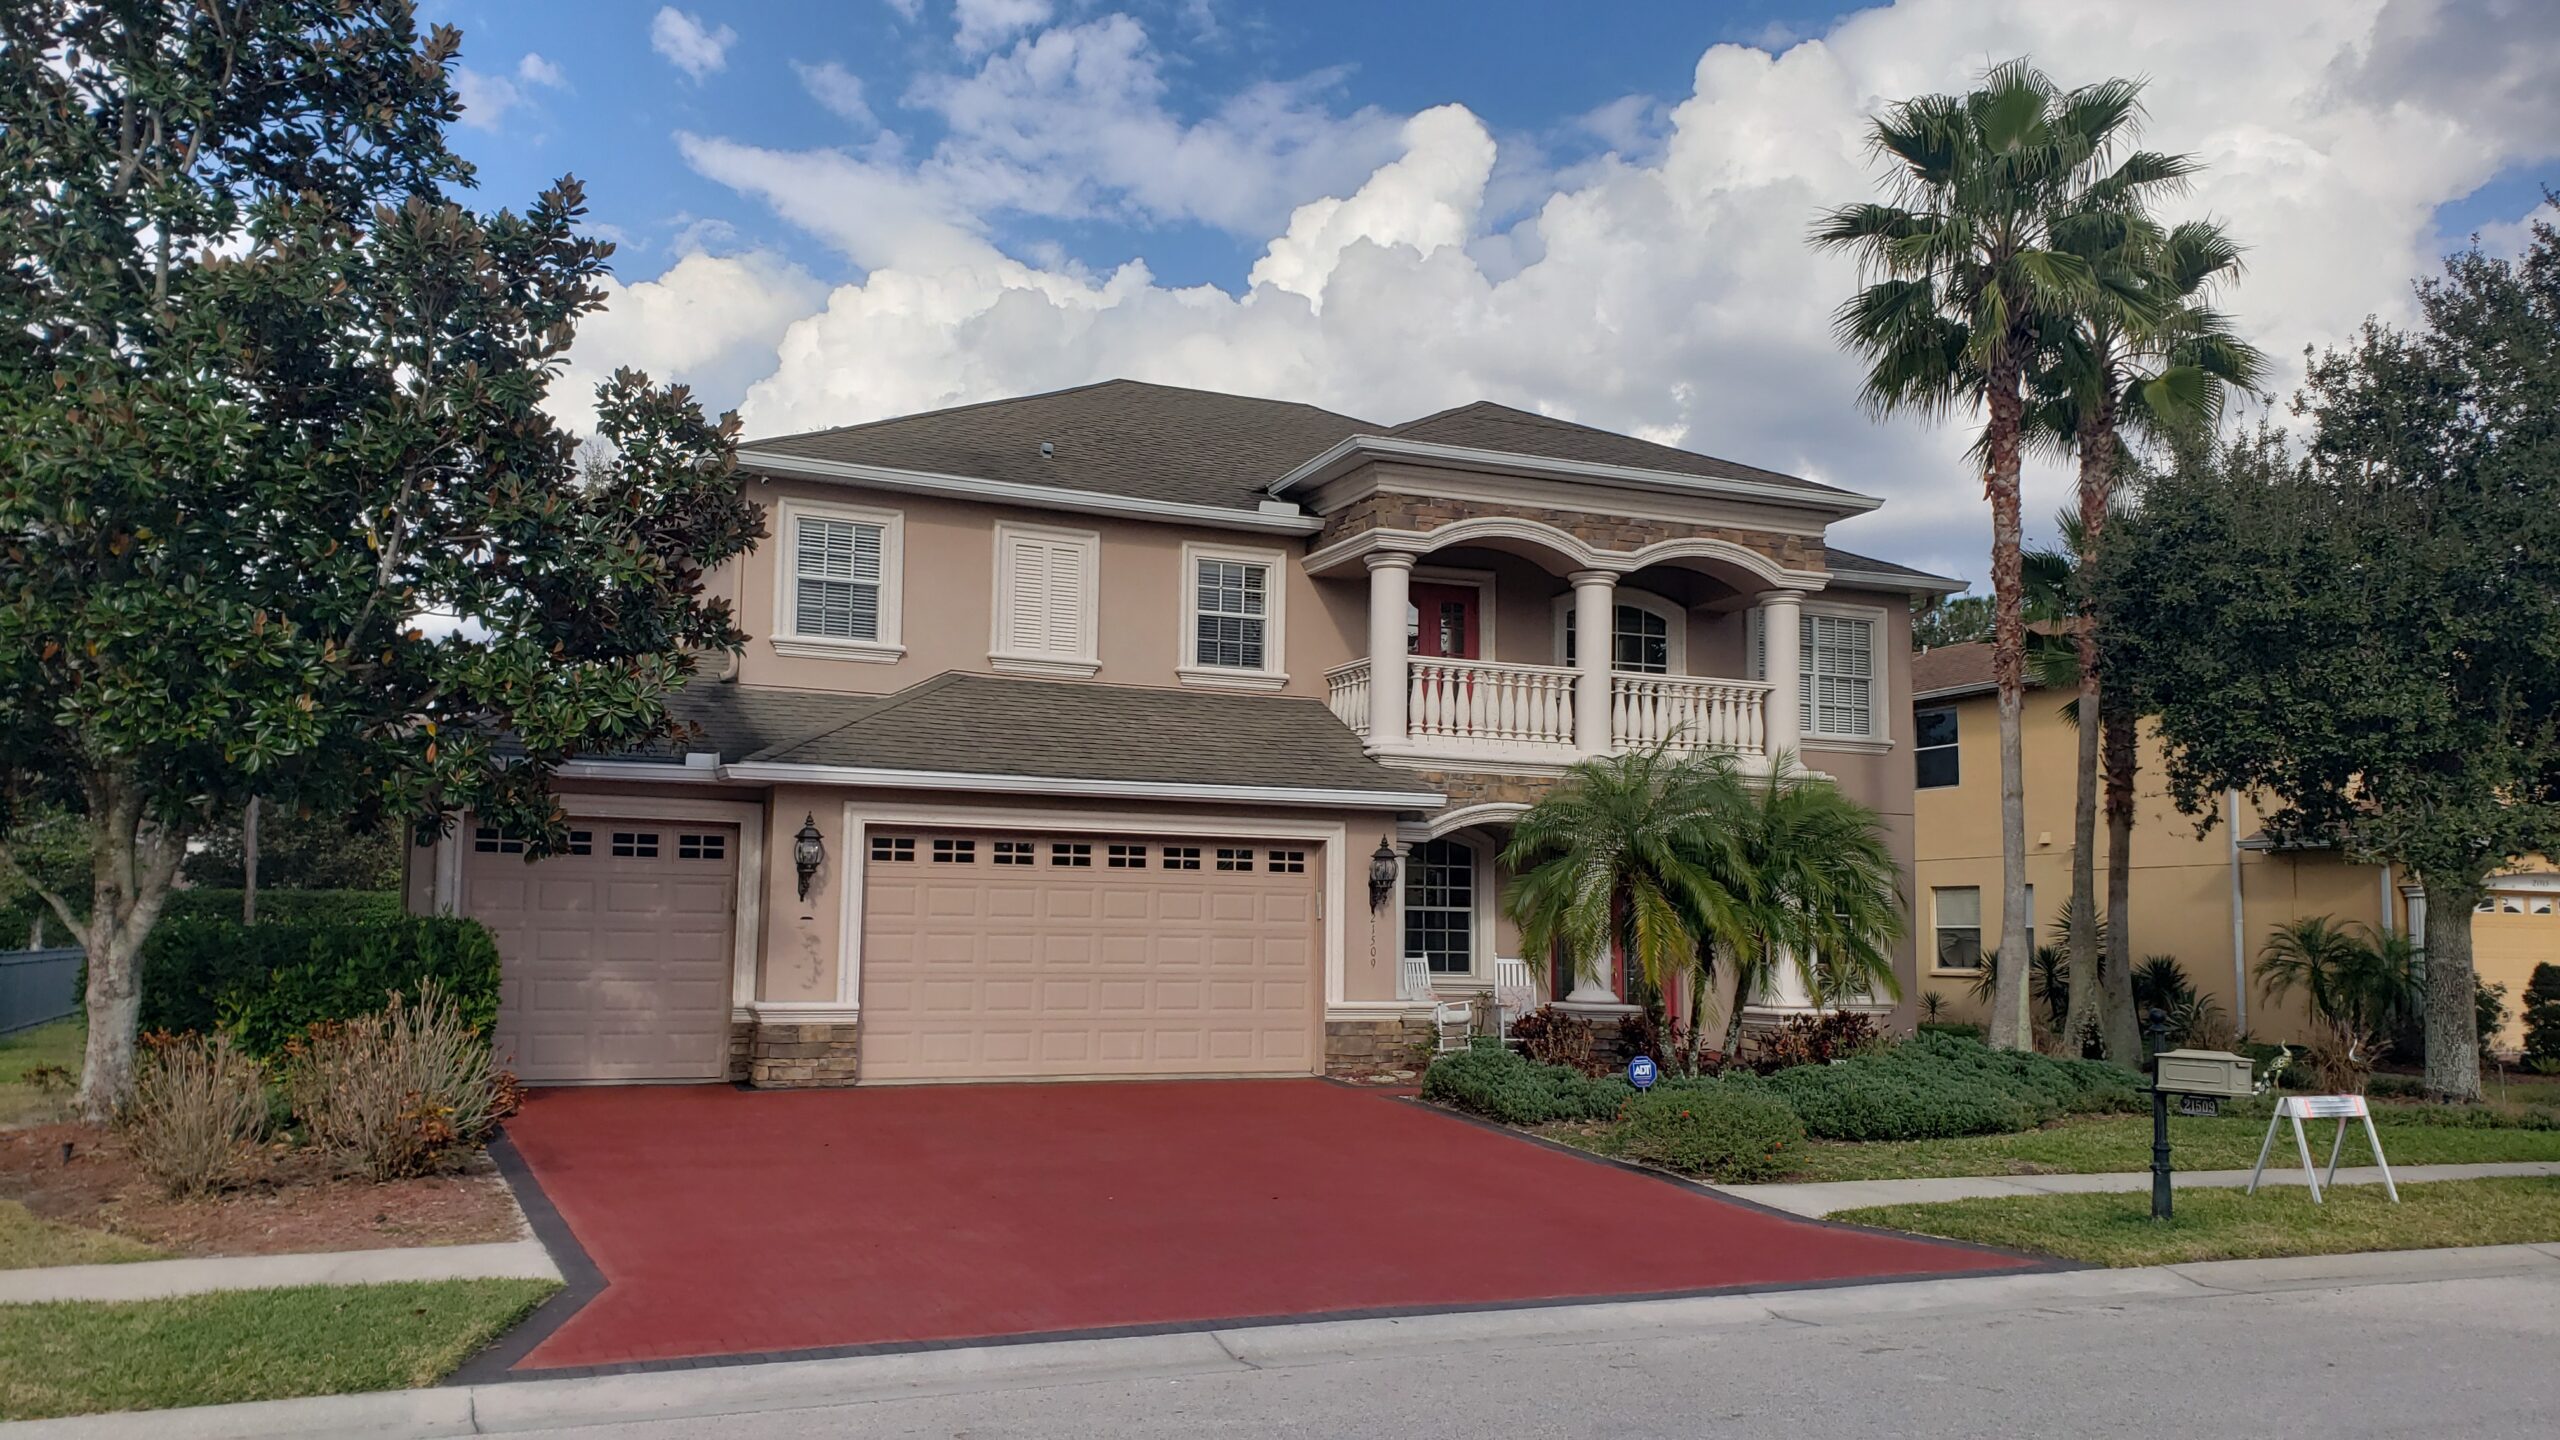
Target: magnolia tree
(280, 513)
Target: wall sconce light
(1382, 875)
(808, 852)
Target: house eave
(1348, 454)
(1033, 497)
(1313, 797)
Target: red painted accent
(728, 1222)
(1430, 603)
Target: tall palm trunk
(2097, 479)
(2010, 1027)
(2119, 1027)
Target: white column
(1390, 583)
(1781, 642)
(1595, 606)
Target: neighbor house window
(1933, 747)
(1640, 642)
(1046, 584)
(1958, 912)
(839, 592)
(1231, 605)
(1440, 906)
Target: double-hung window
(1838, 668)
(839, 592)
(1958, 921)
(1440, 906)
(1231, 603)
(1934, 752)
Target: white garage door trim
(860, 817)
(747, 815)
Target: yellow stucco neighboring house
(2210, 899)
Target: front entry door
(1441, 622)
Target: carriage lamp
(808, 852)
(1382, 874)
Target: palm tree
(1968, 271)
(1638, 852)
(2351, 977)
(2144, 352)
(1820, 890)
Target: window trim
(787, 640)
(1672, 613)
(1919, 751)
(1979, 928)
(1188, 668)
(1013, 658)
(1880, 673)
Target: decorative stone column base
(1381, 1048)
(804, 1055)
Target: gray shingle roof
(1119, 437)
(1487, 426)
(1838, 559)
(999, 725)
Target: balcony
(1481, 708)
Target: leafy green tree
(1969, 273)
(2365, 631)
(2144, 354)
(1950, 620)
(2542, 1020)
(299, 850)
(273, 400)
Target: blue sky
(830, 212)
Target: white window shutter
(1047, 604)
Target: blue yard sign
(1640, 1072)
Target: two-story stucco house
(1096, 710)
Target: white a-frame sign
(2341, 1108)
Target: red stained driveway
(728, 1223)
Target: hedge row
(287, 906)
(264, 984)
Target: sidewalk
(746, 1390)
(159, 1279)
(1820, 1200)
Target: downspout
(2384, 875)
(2239, 920)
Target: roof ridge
(960, 409)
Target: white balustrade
(1687, 713)
(1481, 703)
(1347, 691)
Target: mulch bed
(299, 1204)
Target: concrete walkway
(159, 1279)
(1820, 1200)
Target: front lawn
(2231, 1225)
(2094, 1144)
(80, 1358)
(23, 1102)
(27, 1243)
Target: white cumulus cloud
(980, 25)
(836, 88)
(691, 46)
(710, 321)
(1664, 289)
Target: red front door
(1442, 622)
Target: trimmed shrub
(266, 984)
(399, 1091)
(1721, 1131)
(1488, 1080)
(197, 1109)
(287, 907)
(1935, 1086)
(1814, 1040)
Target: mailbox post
(2217, 1074)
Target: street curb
(535, 1404)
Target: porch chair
(1453, 1022)
(1515, 993)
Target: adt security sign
(1640, 1072)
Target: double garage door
(998, 955)
(984, 955)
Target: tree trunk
(133, 865)
(2011, 1028)
(2119, 1028)
(2097, 481)
(2453, 1026)
(249, 862)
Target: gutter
(1037, 497)
(1344, 453)
(768, 772)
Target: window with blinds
(836, 578)
(1839, 673)
(1228, 611)
(1045, 596)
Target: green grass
(80, 1358)
(27, 1243)
(2098, 1143)
(2230, 1225)
(55, 1044)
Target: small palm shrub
(400, 1091)
(2542, 1020)
(196, 1112)
(1730, 1132)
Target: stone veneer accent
(803, 1055)
(1478, 787)
(1355, 1048)
(1385, 511)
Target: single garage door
(988, 955)
(614, 958)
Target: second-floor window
(1933, 747)
(1046, 585)
(839, 587)
(1231, 625)
(1641, 642)
(1840, 679)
